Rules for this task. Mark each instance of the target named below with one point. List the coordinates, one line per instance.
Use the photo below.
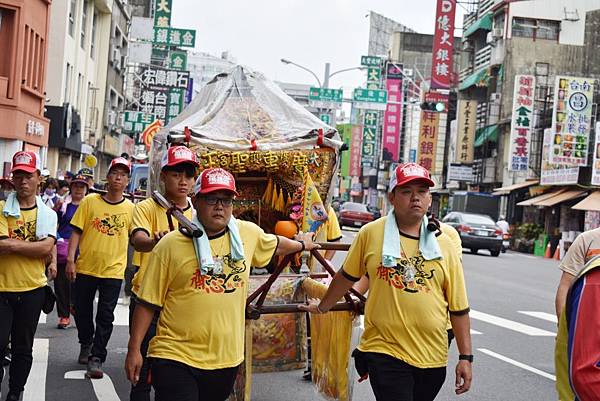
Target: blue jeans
(108, 295)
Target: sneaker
(126, 300)
(63, 323)
(94, 368)
(84, 353)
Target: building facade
(24, 28)
(78, 47)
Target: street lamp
(285, 61)
(327, 74)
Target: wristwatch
(463, 357)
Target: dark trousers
(175, 381)
(19, 315)
(62, 289)
(395, 380)
(108, 296)
(141, 391)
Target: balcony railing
(468, 20)
(484, 7)
(483, 57)
(464, 73)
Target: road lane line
(540, 315)
(517, 364)
(42, 319)
(362, 326)
(509, 324)
(103, 388)
(475, 332)
(35, 388)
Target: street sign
(374, 99)
(370, 126)
(326, 95)
(326, 118)
(174, 37)
(370, 61)
(156, 77)
(374, 78)
(162, 13)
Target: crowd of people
(61, 230)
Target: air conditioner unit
(115, 55)
(495, 97)
(117, 63)
(497, 33)
(111, 118)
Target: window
(7, 32)
(83, 23)
(72, 11)
(79, 90)
(93, 41)
(535, 28)
(67, 82)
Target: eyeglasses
(213, 200)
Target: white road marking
(42, 319)
(517, 364)
(475, 332)
(103, 388)
(35, 388)
(541, 315)
(362, 326)
(509, 324)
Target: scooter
(505, 242)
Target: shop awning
(484, 22)
(565, 196)
(508, 189)
(591, 202)
(542, 197)
(478, 78)
(482, 135)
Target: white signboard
(141, 29)
(460, 172)
(522, 122)
(139, 52)
(596, 161)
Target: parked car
(477, 231)
(354, 214)
(375, 211)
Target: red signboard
(356, 151)
(393, 113)
(443, 44)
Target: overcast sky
(258, 33)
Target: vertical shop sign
(162, 13)
(370, 123)
(555, 174)
(356, 151)
(428, 139)
(571, 120)
(521, 122)
(467, 120)
(596, 161)
(392, 116)
(443, 44)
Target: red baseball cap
(409, 172)
(120, 161)
(214, 179)
(25, 161)
(177, 155)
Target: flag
(314, 213)
(149, 133)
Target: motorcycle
(505, 242)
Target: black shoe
(84, 353)
(94, 368)
(307, 374)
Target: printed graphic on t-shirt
(222, 282)
(110, 225)
(408, 275)
(25, 231)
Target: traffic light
(438, 107)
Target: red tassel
(253, 145)
(320, 137)
(188, 134)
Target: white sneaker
(126, 300)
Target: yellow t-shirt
(150, 217)
(20, 273)
(404, 319)
(202, 317)
(334, 232)
(104, 239)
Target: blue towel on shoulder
(204, 253)
(46, 221)
(391, 250)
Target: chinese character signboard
(428, 139)
(369, 99)
(443, 44)
(460, 172)
(356, 151)
(176, 100)
(521, 124)
(373, 78)
(465, 136)
(155, 101)
(177, 60)
(554, 173)
(571, 119)
(596, 161)
(156, 77)
(370, 61)
(162, 13)
(325, 97)
(136, 121)
(326, 118)
(392, 117)
(166, 36)
(370, 124)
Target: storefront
(65, 147)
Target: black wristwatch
(463, 357)
(301, 243)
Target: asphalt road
(511, 297)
